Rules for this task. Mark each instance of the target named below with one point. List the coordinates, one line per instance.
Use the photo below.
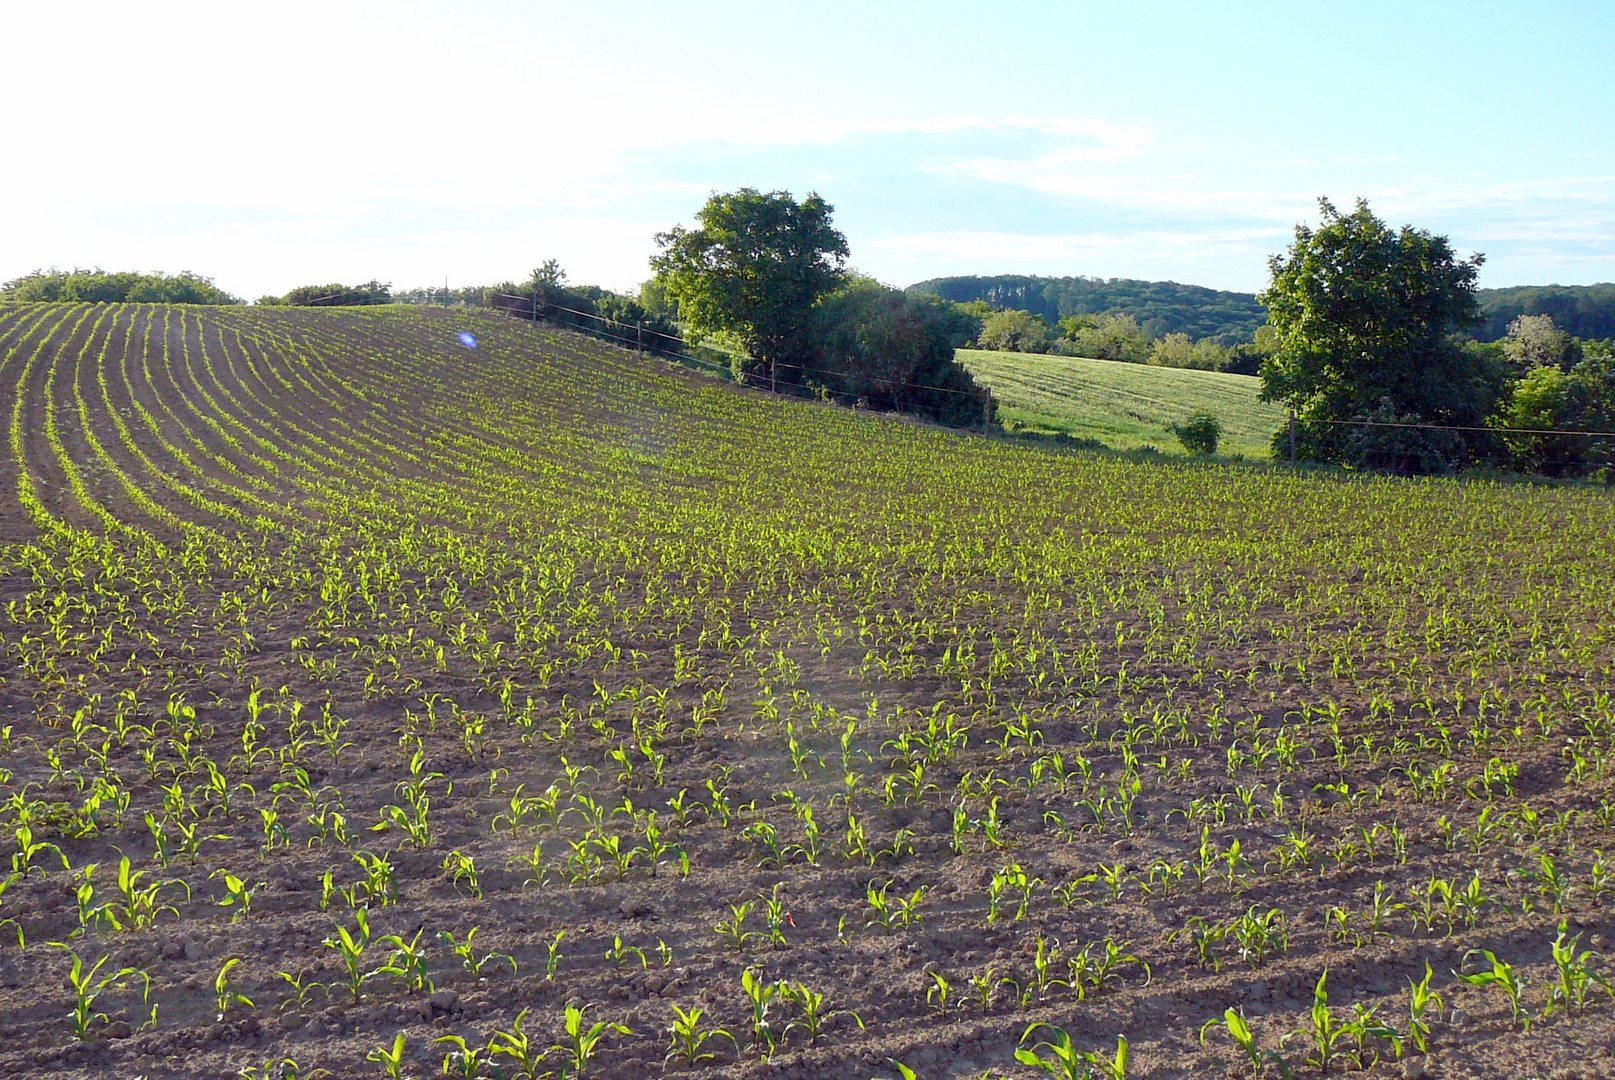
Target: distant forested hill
(1165, 307)
(1587, 311)
(1161, 307)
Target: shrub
(1200, 434)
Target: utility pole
(639, 335)
(1292, 438)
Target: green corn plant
(1011, 882)
(379, 887)
(1239, 1030)
(466, 951)
(351, 948)
(22, 861)
(1206, 936)
(408, 963)
(815, 1011)
(463, 1059)
(462, 867)
(552, 957)
(1058, 1057)
(582, 1044)
(1259, 935)
(391, 1059)
(938, 992)
(88, 986)
(760, 993)
(688, 1040)
(1503, 978)
(1575, 977)
(516, 1045)
(237, 894)
(223, 994)
(1420, 1000)
(620, 952)
(140, 904)
(1325, 1033)
(732, 931)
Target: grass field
(331, 642)
(1124, 406)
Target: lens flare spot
(467, 340)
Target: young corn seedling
(1207, 936)
(1504, 979)
(222, 992)
(552, 957)
(462, 867)
(352, 950)
(516, 1045)
(1058, 1057)
(815, 1011)
(689, 1041)
(937, 994)
(1240, 1031)
(1013, 883)
(582, 1044)
(732, 931)
(237, 894)
(466, 951)
(391, 1059)
(379, 887)
(1420, 1000)
(408, 963)
(760, 993)
(140, 906)
(88, 986)
(620, 952)
(1259, 935)
(1326, 1033)
(1576, 979)
(463, 1059)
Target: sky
(270, 146)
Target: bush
(334, 295)
(1014, 331)
(1201, 434)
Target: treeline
(1158, 307)
(126, 287)
(1173, 325)
(1114, 337)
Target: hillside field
(365, 691)
(1124, 406)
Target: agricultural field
(374, 706)
(1124, 406)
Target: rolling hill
(1124, 406)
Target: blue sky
(299, 143)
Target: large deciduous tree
(1367, 319)
(755, 266)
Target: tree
(1201, 434)
(1105, 337)
(1367, 319)
(1534, 341)
(888, 350)
(754, 267)
(1014, 331)
(333, 295)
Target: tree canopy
(754, 267)
(1367, 320)
(103, 287)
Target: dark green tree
(1367, 322)
(755, 266)
(885, 349)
